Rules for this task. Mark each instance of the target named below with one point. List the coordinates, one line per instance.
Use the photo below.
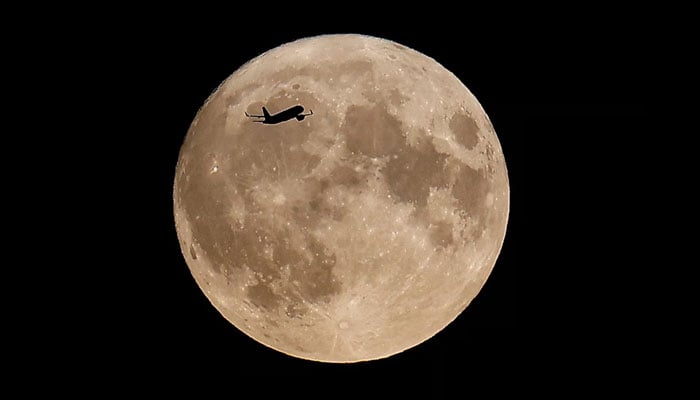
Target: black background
(554, 91)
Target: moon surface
(362, 230)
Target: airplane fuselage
(292, 112)
(284, 115)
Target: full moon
(354, 233)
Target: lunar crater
(465, 130)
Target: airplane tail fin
(265, 112)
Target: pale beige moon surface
(358, 232)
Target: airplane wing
(253, 116)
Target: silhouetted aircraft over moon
(292, 112)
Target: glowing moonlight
(362, 230)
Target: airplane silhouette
(292, 112)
